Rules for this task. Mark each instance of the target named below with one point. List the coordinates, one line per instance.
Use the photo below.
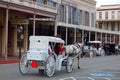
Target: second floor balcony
(45, 5)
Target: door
(10, 41)
(0, 42)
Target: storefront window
(69, 14)
(106, 15)
(78, 16)
(59, 17)
(50, 3)
(113, 26)
(40, 1)
(113, 14)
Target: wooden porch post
(6, 33)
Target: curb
(8, 61)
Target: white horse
(74, 49)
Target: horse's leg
(79, 62)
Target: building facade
(108, 20)
(76, 20)
(36, 17)
(73, 20)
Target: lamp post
(20, 36)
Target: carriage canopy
(42, 42)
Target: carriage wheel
(50, 66)
(23, 65)
(69, 66)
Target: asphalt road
(97, 68)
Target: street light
(20, 36)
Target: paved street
(97, 68)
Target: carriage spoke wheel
(23, 65)
(69, 66)
(50, 66)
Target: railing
(33, 4)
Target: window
(107, 25)
(100, 15)
(72, 15)
(75, 15)
(59, 17)
(106, 15)
(112, 26)
(100, 25)
(118, 14)
(50, 3)
(40, 1)
(83, 17)
(69, 14)
(113, 14)
(78, 16)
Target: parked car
(109, 48)
(117, 49)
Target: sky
(105, 2)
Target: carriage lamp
(20, 36)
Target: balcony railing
(33, 4)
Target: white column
(74, 35)
(66, 14)
(66, 35)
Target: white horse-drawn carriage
(49, 54)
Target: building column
(105, 37)
(34, 23)
(66, 35)
(114, 38)
(110, 38)
(67, 14)
(15, 41)
(101, 37)
(96, 36)
(74, 35)
(25, 35)
(55, 27)
(89, 35)
(119, 39)
(83, 37)
(6, 33)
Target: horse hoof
(78, 67)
